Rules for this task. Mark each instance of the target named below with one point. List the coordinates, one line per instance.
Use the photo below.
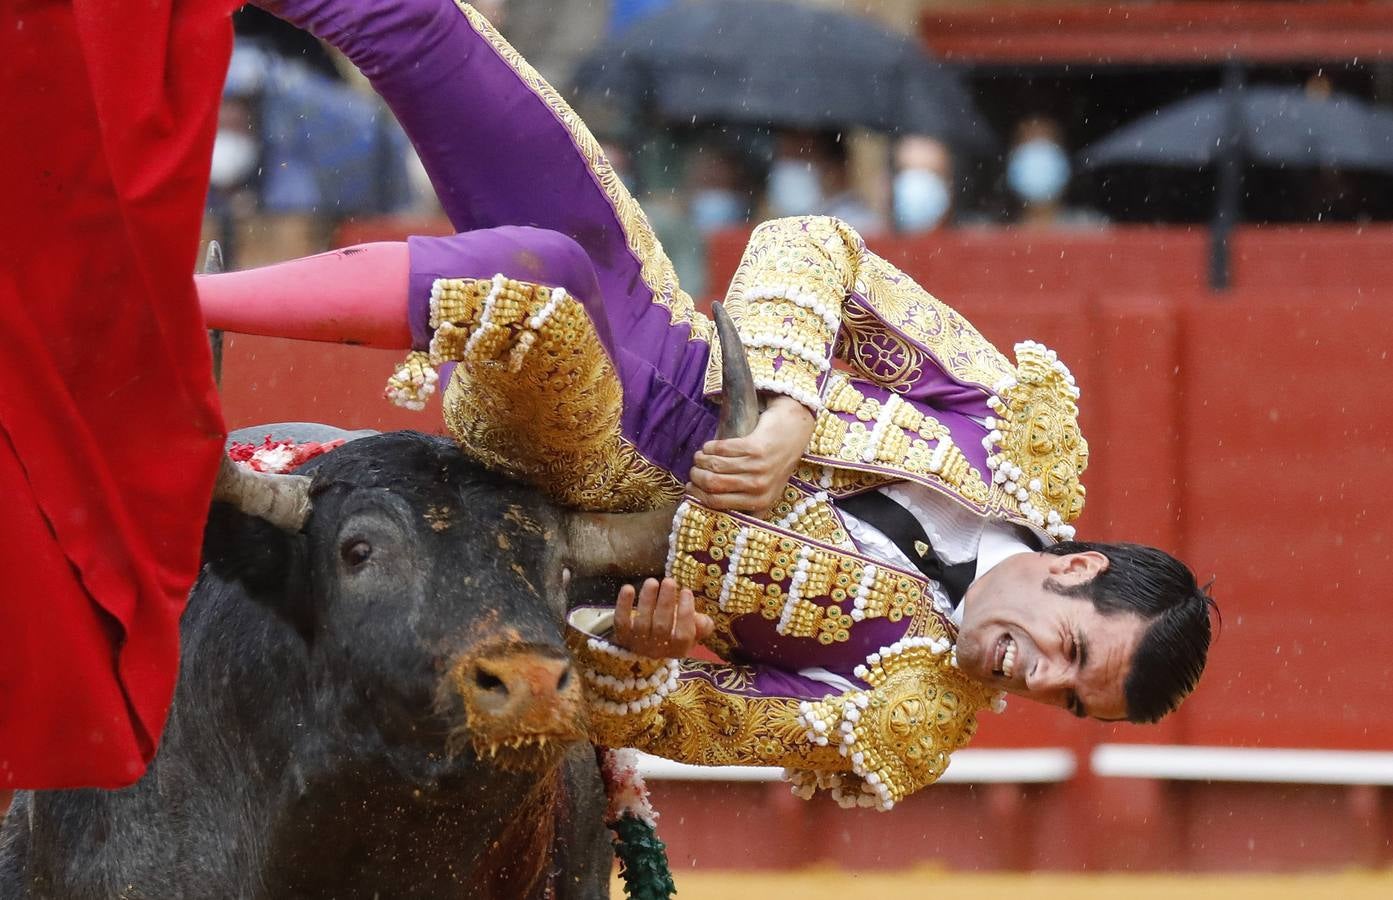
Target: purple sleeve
(500, 147)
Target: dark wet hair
(1162, 590)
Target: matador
(917, 558)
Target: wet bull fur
(377, 705)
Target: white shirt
(957, 535)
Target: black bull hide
(346, 720)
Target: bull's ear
(267, 561)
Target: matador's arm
(871, 745)
(881, 729)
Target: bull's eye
(355, 552)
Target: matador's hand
(662, 624)
(749, 473)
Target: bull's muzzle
(522, 705)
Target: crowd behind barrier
(304, 146)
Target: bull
(374, 696)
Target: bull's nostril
(488, 681)
(564, 680)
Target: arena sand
(911, 884)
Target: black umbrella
(1268, 126)
(1276, 127)
(782, 64)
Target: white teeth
(1008, 660)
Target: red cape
(110, 428)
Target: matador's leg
(501, 146)
(351, 296)
(542, 388)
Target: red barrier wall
(1245, 431)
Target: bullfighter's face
(1021, 634)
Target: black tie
(900, 526)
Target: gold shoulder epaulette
(1037, 453)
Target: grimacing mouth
(1004, 657)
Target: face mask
(921, 200)
(714, 209)
(234, 159)
(794, 189)
(1038, 171)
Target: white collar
(998, 543)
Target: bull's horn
(212, 262)
(282, 500)
(739, 402)
(618, 543)
(636, 543)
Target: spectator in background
(236, 151)
(718, 193)
(922, 191)
(719, 196)
(1037, 175)
(296, 152)
(810, 176)
(1332, 194)
(666, 208)
(553, 36)
(257, 27)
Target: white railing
(1035, 766)
(1179, 763)
(1047, 765)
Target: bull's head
(431, 591)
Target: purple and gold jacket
(578, 364)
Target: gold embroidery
(711, 715)
(878, 744)
(707, 726)
(722, 642)
(701, 724)
(883, 295)
(1041, 454)
(737, 566)
(877, 352)
(912, 721)
(655, 268)
(910, 441)
(787, 346)
(840, 482)
(887, 323)
(457, 300)
(790, 284)
(810, 515)
(887, 320)
(898, 735)
(536, 397)
(413, 381)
